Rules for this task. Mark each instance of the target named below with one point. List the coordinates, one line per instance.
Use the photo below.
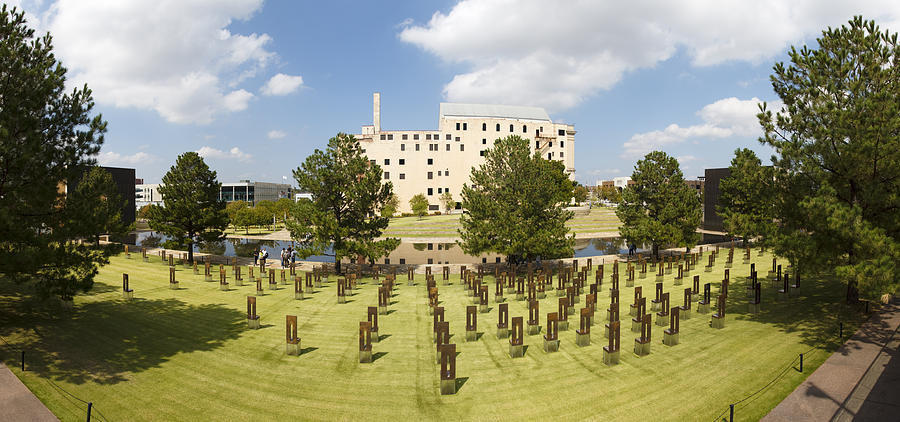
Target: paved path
(17, 402)
(860, 381)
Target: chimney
(376, 98)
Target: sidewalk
(860, 381)
(17, 403)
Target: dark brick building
(711, 219)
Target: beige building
(432, 162)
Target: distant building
(302, 195)
(244, 190)
(432, 162)
(711, 218)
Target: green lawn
(599, 220)
(188, 355)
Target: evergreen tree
(515, 205)
(98, 204)
(347, 191)
(746, 199)
(447, 201)
(390, 206)
(47, 137)
(659, 209)
(192, 212)
(837, 163)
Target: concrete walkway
(860, 381)
(17, 402)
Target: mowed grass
(187, 354)
(598, 220)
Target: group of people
(288, 256)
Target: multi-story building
(244, 190)
(432, 162)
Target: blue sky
(257, 86)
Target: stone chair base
(516, 351)
(685, 313)
(610, 358)
(129, 295)
(510, 290)
(365, 356)
(533, 329)
(239, 283)
(253, 323)
(273, 286)
(635, 326)
(570, 310)
(562, 325)
(654, 306)
(642, 275)
(482, 308)
(560, 293)
(707, 269)
(717, 322)
(551, 346)
(542, 295)
(520, 296)
(670, 339)
(502, 332)
(260, 292)
(448, 387)
(173, 286)
(382, 310)
(703, 308)
(298, 295)
(207, 278)
(342, 299)
(662, 320)
(753, 308)
(629, 283)
(471, 335)
(582, 339)
(499, 299)
(373, 334)
(292, 349)
(632, 310)
(317, 284)
(641, 349)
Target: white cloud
(234, 153)
(176, 57)
(725, 118)
(282, 84)
(110, 158)
(276, 134)
(531, 53)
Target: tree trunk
(191, 251)
(656, 251)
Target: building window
(448, 145)
(402, 176)
(402, 147)
(498, 127)
(387, 175)
(510, 128)
(430, 191)
(462, 147)
(415, 136)
(457, 140)
(387, 261)
(439, 173)
(465, 126)
(484, 127)
(448, 137)
(440, 190)
(549, 155)
(550, 144)
(383, 137)
(430, 161)
(387, 161)
(430, 175)
(562, 132)
(404, 137)
(483, 141)
(524, 129)
(430, 260)
(537, 144)
(427, 136)
(417, 147)
(560, 144)
(446, 172)
(402, 161)
(560, 154)
(457, 125)
(390, 137)
(482, 153)
(402, 261)
(431, 147)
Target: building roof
(460, 110)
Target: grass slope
(598, 220)
(187, 354)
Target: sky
(255, 87)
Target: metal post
(801, 362)
(90, 405)
(842, 330)
(731, 413)
(23, 361)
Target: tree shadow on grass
(106, 341)
(460, 381)
(378, 355)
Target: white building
(147, 194)
(432, 162)
(244, 190)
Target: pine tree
(192, 212)
(746, 200)
(837, 162)
(515, 205)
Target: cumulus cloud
(110, 158)
(234, 153)
(527, 52)
(728, 117)
(282, 84)
(175, 57)
(276, 134)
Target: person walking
(256, 255)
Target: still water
(407, 253)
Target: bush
(437, 213)
(407, 214)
